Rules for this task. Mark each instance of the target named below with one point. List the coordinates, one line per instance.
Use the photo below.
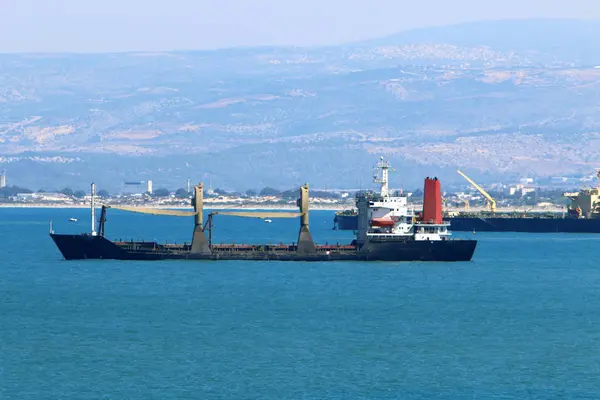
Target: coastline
(250, 206)
(275, 207)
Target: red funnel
(432, 202)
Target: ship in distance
(582, 216)
(388, 231)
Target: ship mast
(383, 166)
(93, 206)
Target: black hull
(531, 225)
(79, 247)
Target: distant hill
(570, 40)
(494, 98)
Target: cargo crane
(490, 199)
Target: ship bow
(82, 247)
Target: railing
(432, 223)
(386, 237)
(231, 248)
(374, 196)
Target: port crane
(490, 199)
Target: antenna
(383, 166)
(93, 206)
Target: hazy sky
(117, 25)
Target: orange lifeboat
(382, 222)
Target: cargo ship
(582, 216)
(388, 231)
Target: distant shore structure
(2, 179)
(139, 185)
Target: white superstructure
(386, 215)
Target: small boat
(73, 219)
(268, 221)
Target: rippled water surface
(521, 321)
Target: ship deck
(281, 252)
(232, 248)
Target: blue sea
(521, 321)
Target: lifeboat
(382, 222)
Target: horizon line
(284, 46)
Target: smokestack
(432, 201)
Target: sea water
(521, 321)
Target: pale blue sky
(119, 25)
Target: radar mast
(381, 176)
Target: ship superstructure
(586, 202)
(386, 215)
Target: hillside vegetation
(501, 100)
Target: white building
(522, 190)
(44, 197)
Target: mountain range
(499, 99)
